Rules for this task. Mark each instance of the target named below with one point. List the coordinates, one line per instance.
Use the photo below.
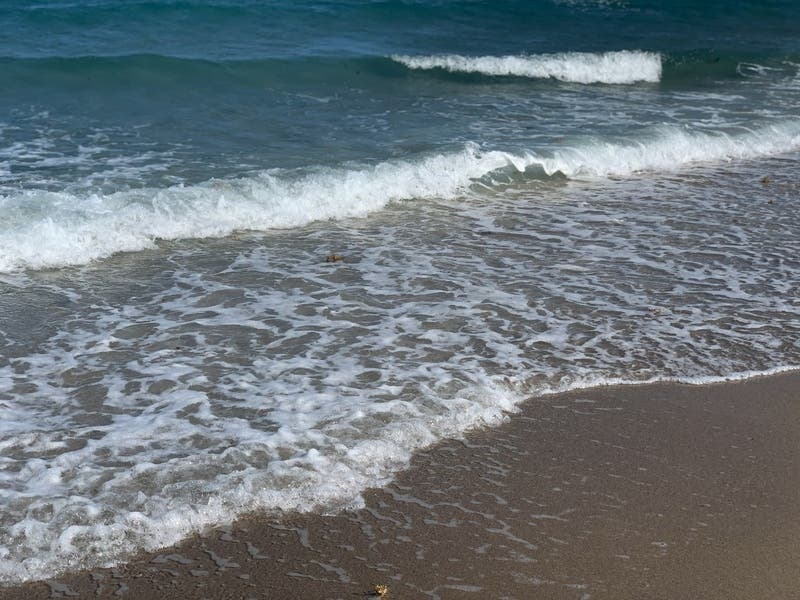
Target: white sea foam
(622, 67)
(670, 147)
(57, 229)
(112, 156)
(51, 229)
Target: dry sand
(655, 491)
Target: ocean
(522, 196)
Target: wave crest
(77, 230)
(622, 67)
(669, 147)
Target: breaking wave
(53, 229)
(670, 147)
(622, 67)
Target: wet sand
(660, 491)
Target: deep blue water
(244, 29)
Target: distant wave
(57, 229)
(623, 67)
(174, 72)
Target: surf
(57, 229)
(621, 67)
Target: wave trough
(622, 67)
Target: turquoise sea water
(528, 196)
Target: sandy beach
(662, 491)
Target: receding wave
(622, 67)
(47, 229)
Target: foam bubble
(622, 67)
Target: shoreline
(657, 490)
